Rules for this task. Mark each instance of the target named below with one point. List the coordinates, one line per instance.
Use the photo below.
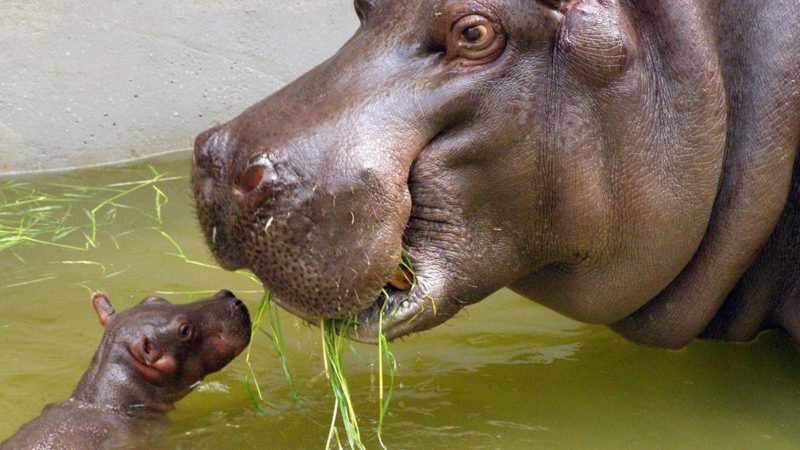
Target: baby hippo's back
(74, 425)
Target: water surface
(504, 374)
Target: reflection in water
(503, 374)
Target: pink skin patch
(224, 347)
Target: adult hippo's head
(568, 149)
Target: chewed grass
(334, 337)
(384, 357)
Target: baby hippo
(150, 356)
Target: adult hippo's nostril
(250, 179)
(261, 170)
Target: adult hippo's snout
(279, 207)
(572, 150)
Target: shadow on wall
(86, 84)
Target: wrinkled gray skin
(150, 356)
(623, 162)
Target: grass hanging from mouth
(384, 353)
(255, 397)
(383, 349)
(275, 337)
(333, 336)
(334, 333)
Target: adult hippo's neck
(767, 295)
(742, 277)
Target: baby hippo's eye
(185, 331)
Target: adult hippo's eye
(475, 40)
(476, 35)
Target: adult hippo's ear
(104, 308)
(595, 40)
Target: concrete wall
(99, 81)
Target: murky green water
(504, 374)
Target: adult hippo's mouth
(393, 314)
(409, 298)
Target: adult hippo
(624, 162)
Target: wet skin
(151, 356)
(630, 163)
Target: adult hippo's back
(625, 162)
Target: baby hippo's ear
(102, 305)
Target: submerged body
(630, 163)
(74, 424)
(150, 356)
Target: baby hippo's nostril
(238, 303)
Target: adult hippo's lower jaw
(602, 157)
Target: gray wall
(93, 82)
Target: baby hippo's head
(161, 350)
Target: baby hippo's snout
(228, 328)
(230, 335)
(236, 307)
